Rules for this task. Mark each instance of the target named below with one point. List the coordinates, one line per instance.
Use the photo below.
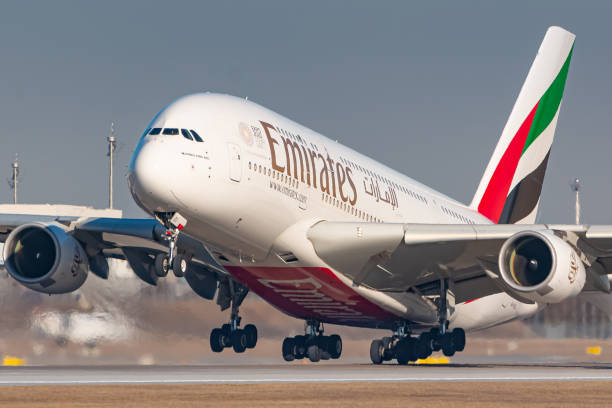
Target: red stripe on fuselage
(311, 293)
(493, 200)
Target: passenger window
(196, 136)
(155, 131)
(170, 131)
(186, 134)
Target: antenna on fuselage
(112, 144)
(575, 185)
(14, 180)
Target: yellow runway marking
(13, 361)
(433, 360)
(594, 351)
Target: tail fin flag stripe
(524, 196)
(549, 103)
(518, 165)
(494, 198)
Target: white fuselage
(255, 185)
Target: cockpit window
(155, 131)
(196, 136)
(170, 131)
(186, 134)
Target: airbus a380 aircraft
(245, 199)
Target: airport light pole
(576, 188)
(111, 150)
(14, 180)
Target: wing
(136, 240)
(415, 257)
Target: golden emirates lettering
(310, 167)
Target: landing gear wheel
(161, 265)
(404, 352)
(458, 337)
(179, 266)
(314, 353)
(251, 335)
(426, 339)
(448, 348)
(435, 335)
(300, 347)
(288, 349)
(216, 340)
(421, 349)
(376, 351)
(387, 353)
(239, 341)
(334, 346)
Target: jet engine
(540, 266)
(44, 258)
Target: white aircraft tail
(509, 191)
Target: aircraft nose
(150, 177)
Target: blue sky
(425, 87)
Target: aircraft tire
(314, 353)
(448, 348)
(288, 349)
(403, 353)
(161, 265)
(421, 348)
(226, 339)
(251, 334)
(425, 337)
(179, 266)
(300, 347)
(387, 353)
(334, 346)
(239, 341)
(458, 336)
(216, 340)
(412, 348)
(376, 351)
(437, 339)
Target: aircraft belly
(312, 293)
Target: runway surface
(294, 373)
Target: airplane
(243, 199)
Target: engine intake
(44, 258)
(541, 267)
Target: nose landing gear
(312, 345)
(178, 262)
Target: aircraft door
(235, 165)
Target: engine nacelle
(44, 258)
(540, 266)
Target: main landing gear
(230, 334)
(313, 345)
(405, 348)
(178, 262)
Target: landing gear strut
(312, 345)
(230, 334)
(178, 262)
(441, 339)
(406, 348)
